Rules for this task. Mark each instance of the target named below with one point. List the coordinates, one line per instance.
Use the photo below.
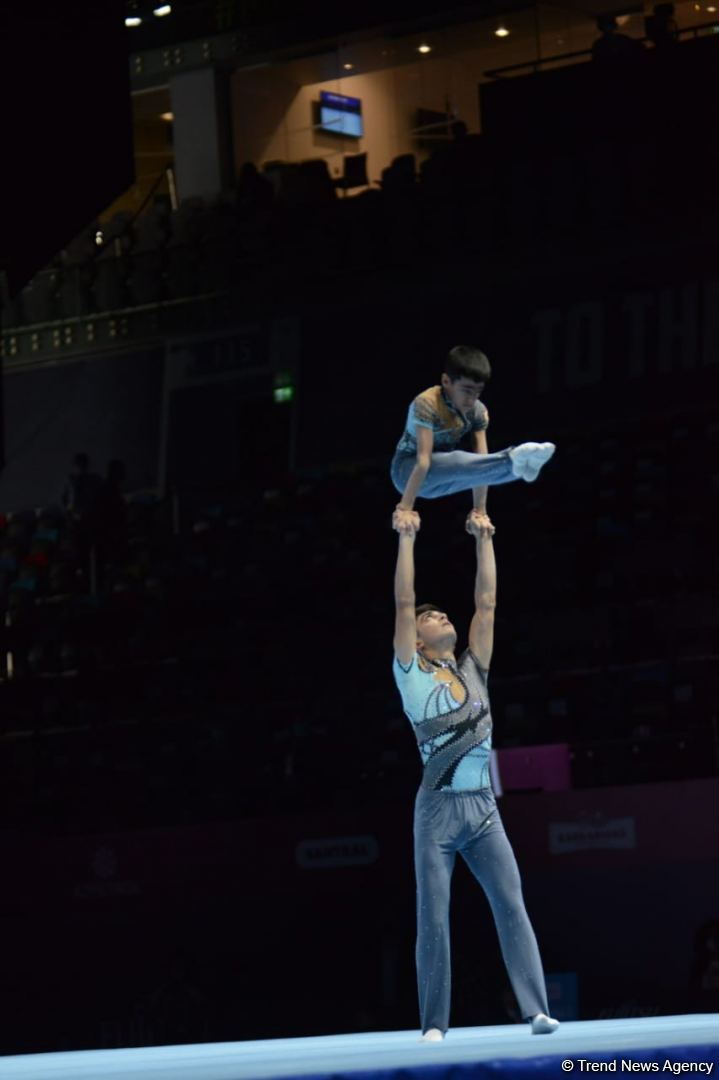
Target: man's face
(463, 393)
(434, 630)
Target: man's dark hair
(466, 362)
(424, 608)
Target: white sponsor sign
(331, 851)
(592, 835)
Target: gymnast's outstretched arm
(481, 631)
(405, 626)
(479, 494)
(405, 511)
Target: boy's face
(463, 393)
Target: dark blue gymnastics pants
(445, 823)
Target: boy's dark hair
(424, 608)
(466, 362)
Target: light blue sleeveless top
(454, 738)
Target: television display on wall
(340, 115)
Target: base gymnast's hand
(479, 525)
(402, 519)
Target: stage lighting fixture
(133, 20)
(424, 48)
(161, 10)
(501, 31)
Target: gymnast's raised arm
(481, 631)
(405, 624)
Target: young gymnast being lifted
(427, 463)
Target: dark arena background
(236, 240)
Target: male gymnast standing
(447, 704)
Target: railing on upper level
(539, 63)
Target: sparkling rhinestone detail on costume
(451, 732)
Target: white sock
(433, 1035)
(520, 456)
(528, 458)
(542, 452)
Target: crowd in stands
(240, 664)
(469, 196)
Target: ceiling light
(133, 20)
(162, 9)
(711, 8)
(169, 116)
(348, 67)
(424, 48)
(501, 31)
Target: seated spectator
(109, 516)
(254, 192)
(80, 489)
(400, 176)
(78, 498)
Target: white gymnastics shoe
(433, 1035)
(543, 1025)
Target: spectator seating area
(474, 194)
(242, 666)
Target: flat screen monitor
(341, 115)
